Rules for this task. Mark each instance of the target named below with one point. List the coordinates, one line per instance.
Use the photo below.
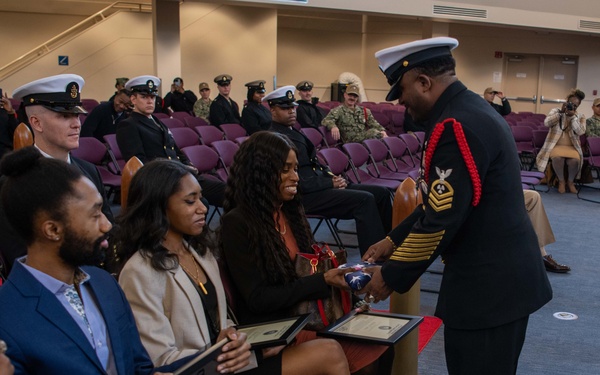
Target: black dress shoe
(553, 266)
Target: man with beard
(351, 122)
(473, 216)
(58, 315)
(52, 106)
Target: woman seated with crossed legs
(172, 281)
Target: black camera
(495, 92)
(570, 106)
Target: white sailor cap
(395, 61)
(282, 97)
(60, 93)
(144, 84)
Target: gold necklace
(197, 277)
(284, 231)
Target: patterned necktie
(77, 305)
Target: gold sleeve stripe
(414, 240)
(418, 249)
(404, 259)
(418, 246)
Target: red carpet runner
(427, 329)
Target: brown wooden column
(406, 360)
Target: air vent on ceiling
(589, 25)
(462, 12)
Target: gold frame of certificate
(372, 327)
(205, 363)
(273, 333)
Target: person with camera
(489, 94)
(562, 145)
(179, 99)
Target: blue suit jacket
(42, 337)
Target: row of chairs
(384, 163)
(535, 125)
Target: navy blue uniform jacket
(493, 271)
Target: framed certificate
(274, 333)
(372, 327)
(203, 364)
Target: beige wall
(217, 39)
(121, 46)
(476, 62)
(260, 43)
(18, 36)
(319, 50)
(214, 40)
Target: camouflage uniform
(593, 127)
(202, 109)
(351, 123)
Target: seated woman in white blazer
(171, 280)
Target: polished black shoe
(553, 266)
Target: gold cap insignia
(150, 84)
(74, 90)
(289, 95)
(405, 63)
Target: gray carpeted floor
(552, 346)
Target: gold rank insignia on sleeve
(418, 246)
(441, 193)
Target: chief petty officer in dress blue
(142, 134)
(145, 136)
(223, 109)
(255, 116)
(473, 216)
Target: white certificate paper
(371, 326)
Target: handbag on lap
(326, 310)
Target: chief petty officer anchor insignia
(441, 194)
(74, 90)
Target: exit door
(538, 83)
